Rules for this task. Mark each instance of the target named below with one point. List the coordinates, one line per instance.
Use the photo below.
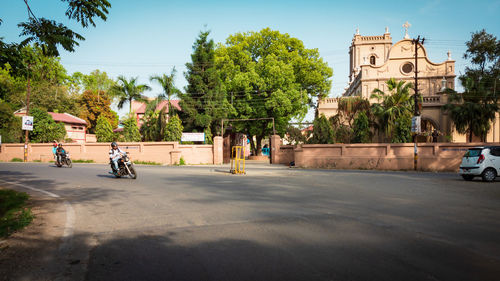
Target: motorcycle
(125, 167)
(65, 160)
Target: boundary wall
(167, 153)
(441, 157)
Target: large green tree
(204, 102)
(128, 90)
(393, 108)
(270, 74)
(473, 110)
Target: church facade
(375, 59)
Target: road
(275, 223)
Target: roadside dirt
(33, 252)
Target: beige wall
(431, 157)
(161, 152)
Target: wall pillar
(275, 149)
(217, 150)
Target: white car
(482, 162)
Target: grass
(37, 161)
(82, 161)
(146, 162)
(15, 159)
(182, 162)
(14, 214)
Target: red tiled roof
(162, 104)
(67, 118)
(310, 128)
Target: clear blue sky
(146, 37)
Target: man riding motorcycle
(60, 153)
(114, 155)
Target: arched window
(372, 60)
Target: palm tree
(394, 106)
(167, 84)
(128, 90)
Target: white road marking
(70, 214)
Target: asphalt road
(275, 223)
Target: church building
(375, 59)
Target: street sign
(28, 123)
(193, 137)
(416, 124)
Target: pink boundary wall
(167, 153)
(374, 156)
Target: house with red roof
(76, 128)
(139, 109)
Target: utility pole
(28, 92)
(416, 96)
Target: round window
(407, 67)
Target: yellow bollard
(238, 160)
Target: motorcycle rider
(54, 150)
(60, 152)
(114, 155)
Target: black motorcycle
(125, 167)
(64, 160)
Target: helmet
(54, 144)
(60, 145)
(113, 144)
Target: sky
(149, 37)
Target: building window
(407, 68)
(372, 60)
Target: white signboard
(193, 137)
(415, 124)
(28, 123)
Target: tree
(204, 103)
(96, 81)
(295, 135)
(45, 129)
(473, 110)
(130, 130)
(49, 34)
(173, 131)
(128, 90)
(10, 125)
(349, 109)
(104, 130)
(361, 129)
(154, 121)
(395, 107)
(322, 131)
(270, 74)
(169, 90)
(94, 104)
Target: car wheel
(468, 177)
(489, 175)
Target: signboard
(193, 137)
(28, 123)
(416, 124)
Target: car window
(495, 151)
(473, 152)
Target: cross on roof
(406, 25)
